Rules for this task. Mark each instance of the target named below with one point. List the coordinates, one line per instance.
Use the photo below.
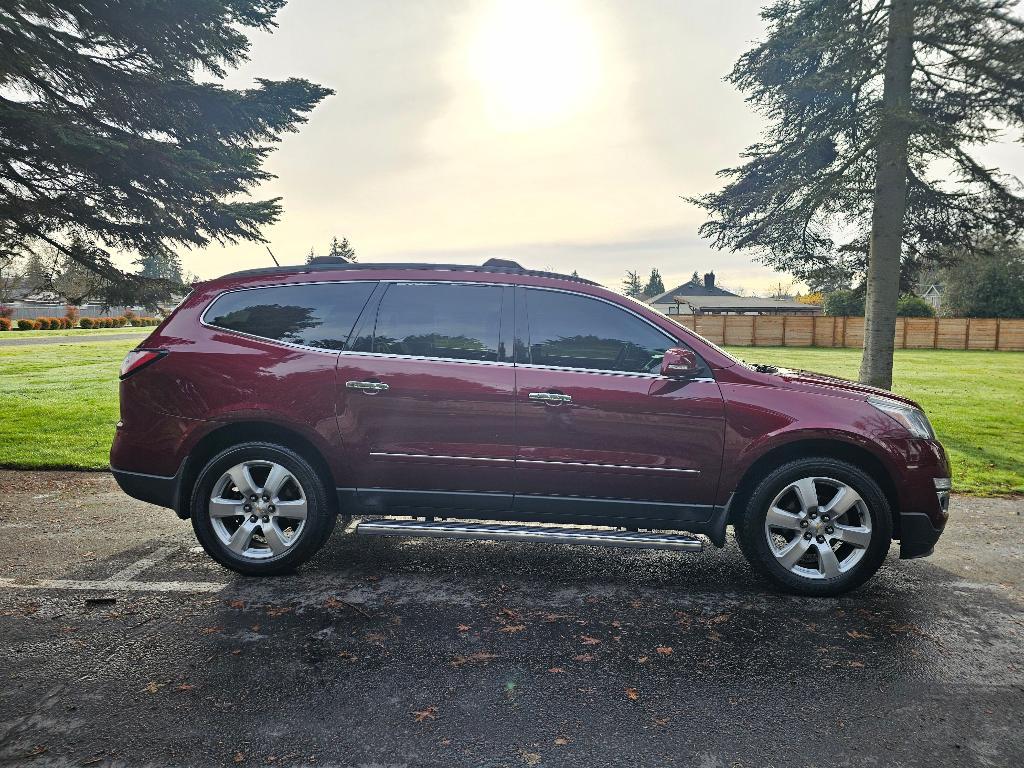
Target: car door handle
(553, 398)
(367, 386)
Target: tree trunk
(890, 200)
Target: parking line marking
(133, 570)
(111, 585)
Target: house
(703, 297)
(932, 293)
(667, 304)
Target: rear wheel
(260, 509)
(816, 526)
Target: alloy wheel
(818, 527)
(258, 509)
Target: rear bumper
(917, 535)
(153, 489)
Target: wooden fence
(825, 331)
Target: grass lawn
(73, 332)
(58, 404)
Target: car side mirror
(679, 363)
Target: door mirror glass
(679, 363)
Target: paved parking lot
(125, 646)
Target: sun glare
(537, 62)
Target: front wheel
(816, 526)
(260, 509)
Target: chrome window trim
(391, 356)
(588, 464)
(387, 355)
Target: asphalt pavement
(124, 645)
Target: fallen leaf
(587, 640)
(632, 694)
(463, 627)
(644, 659)
(236, 604)
(37, 750)
(712, 635)
(239, 757)
(583, 657)
(719, 618)
(459, 661)
(561, 741)
(661, 720)
(184, 687)
(152, 686)
(276, 612)
(347, 655)
(530, 758)
(211, 630)
(556, 671)
(859, 635)
(430, 713)
(236, 651)
(512, 628)
(857, 664)
(664, 650)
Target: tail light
(138, 359)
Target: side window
(573, 331)
(457, 322)
(318, 315)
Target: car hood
(816, 382)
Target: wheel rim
(258, 510)
(818, 528)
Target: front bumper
(917, 535)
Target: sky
(558, 133)
(562, 134)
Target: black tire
(753, 541)
(320, 513)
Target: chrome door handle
(367, 386)
(550, 397)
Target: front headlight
(913, 419)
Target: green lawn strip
(975, 401)
(58, 404)
(73, 332)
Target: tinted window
(315, 315)
(574, 331)
(458, 322)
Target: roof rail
(336, 263)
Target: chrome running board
(542, 534)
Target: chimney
(709, 280)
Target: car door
(426, 399)
(597, 421)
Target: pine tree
(655, 285)
(875, 109)
(160, 263)
(632, 286)
(116, 129)
(342, 249)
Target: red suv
(424, 397)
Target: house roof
(733, 303)
(692, 288)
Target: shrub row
(57, 323)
